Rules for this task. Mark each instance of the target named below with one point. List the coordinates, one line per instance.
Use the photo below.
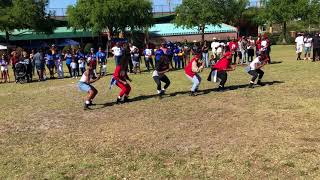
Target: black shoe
(86, 107)
(119, 101)
(260, 83)
(251, 85)
(192, 94)
(220, 89)
(126, 99)
(92, 104)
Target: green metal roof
(166, 29)
(60, 32)
(169, 29)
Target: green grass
(269, 132)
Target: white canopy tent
(2, 47)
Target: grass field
(270, 132)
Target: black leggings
(69, 69)
(255, 74)
(223, 76)
(164, 79)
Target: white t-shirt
(299, 41)
(132, 48)
(264, 43)
(117, 51)
(155, 73)
(73, 65)
(148, 52)
(254, 62)
(214, 46)
(307, 42)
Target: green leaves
(115, 15)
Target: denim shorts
(307, 49)
(84, 86)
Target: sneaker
(118, 101)
(86, 107)
(192, 94)
(92, 104)
(126, 99)
(260, 83)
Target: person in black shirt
(162, 66)
(316, 47)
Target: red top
(188, 68)
(258, 44)
(233, 46)
(222, 65)
(14, 60)
(120, 74)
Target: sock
(251, 82)
(87, 102)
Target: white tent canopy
(2, 47)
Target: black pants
(255, 74)
(223, 76)
(164, 79)
(75, 72)
(316, 53)
(250, 55)
(69, 69)
(130, 66)
(170, 60)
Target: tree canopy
(25, 14)
(111, 15)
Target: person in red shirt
(192, 70)
(121, 77)
(14, 60)
(258, 45)
(221, 67)
(234, 46)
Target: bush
(87, 47)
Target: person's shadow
(199, 93)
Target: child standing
(136, 61)
(4, 69)
(59, 66)
(82, 65)
(121, 77)
(74, 69)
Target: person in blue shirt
(176, 58)
(170, 54)
(101, 57)
(50, 64)
(158, 54)
(68, 59)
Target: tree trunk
(7, 41)
(202, 27)
(284, 31)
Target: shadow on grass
(199, 93)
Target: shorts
(136, 64)
(39, 67)
(307, 49)
(299, 48)
(84, 86)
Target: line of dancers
(219, 73)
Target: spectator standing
(186, 53)
(205, 54)
(243, 49)
(101, 57)
(307, 47)
(258, 45)
(4, 69)
(148, 57)
(59, 65)
(158, 53)
(251, 46)
(299, 45)
(93, 62)
(39, 62)
(214, 46)
(316, 47)
(68, 59)
(132, 51)
(117, 52)
(74, 69)
(14, 60)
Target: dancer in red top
(121, 77)
(222, 66)
(192, 69)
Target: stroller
(23, 72)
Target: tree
(284, 11)
(25, 14)
(195, 13)
(111, 15)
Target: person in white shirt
(74, 69)
(117, 52)
(251, 46)
(254, 69)
(299, 45)
(214, 46)
(307, 47)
